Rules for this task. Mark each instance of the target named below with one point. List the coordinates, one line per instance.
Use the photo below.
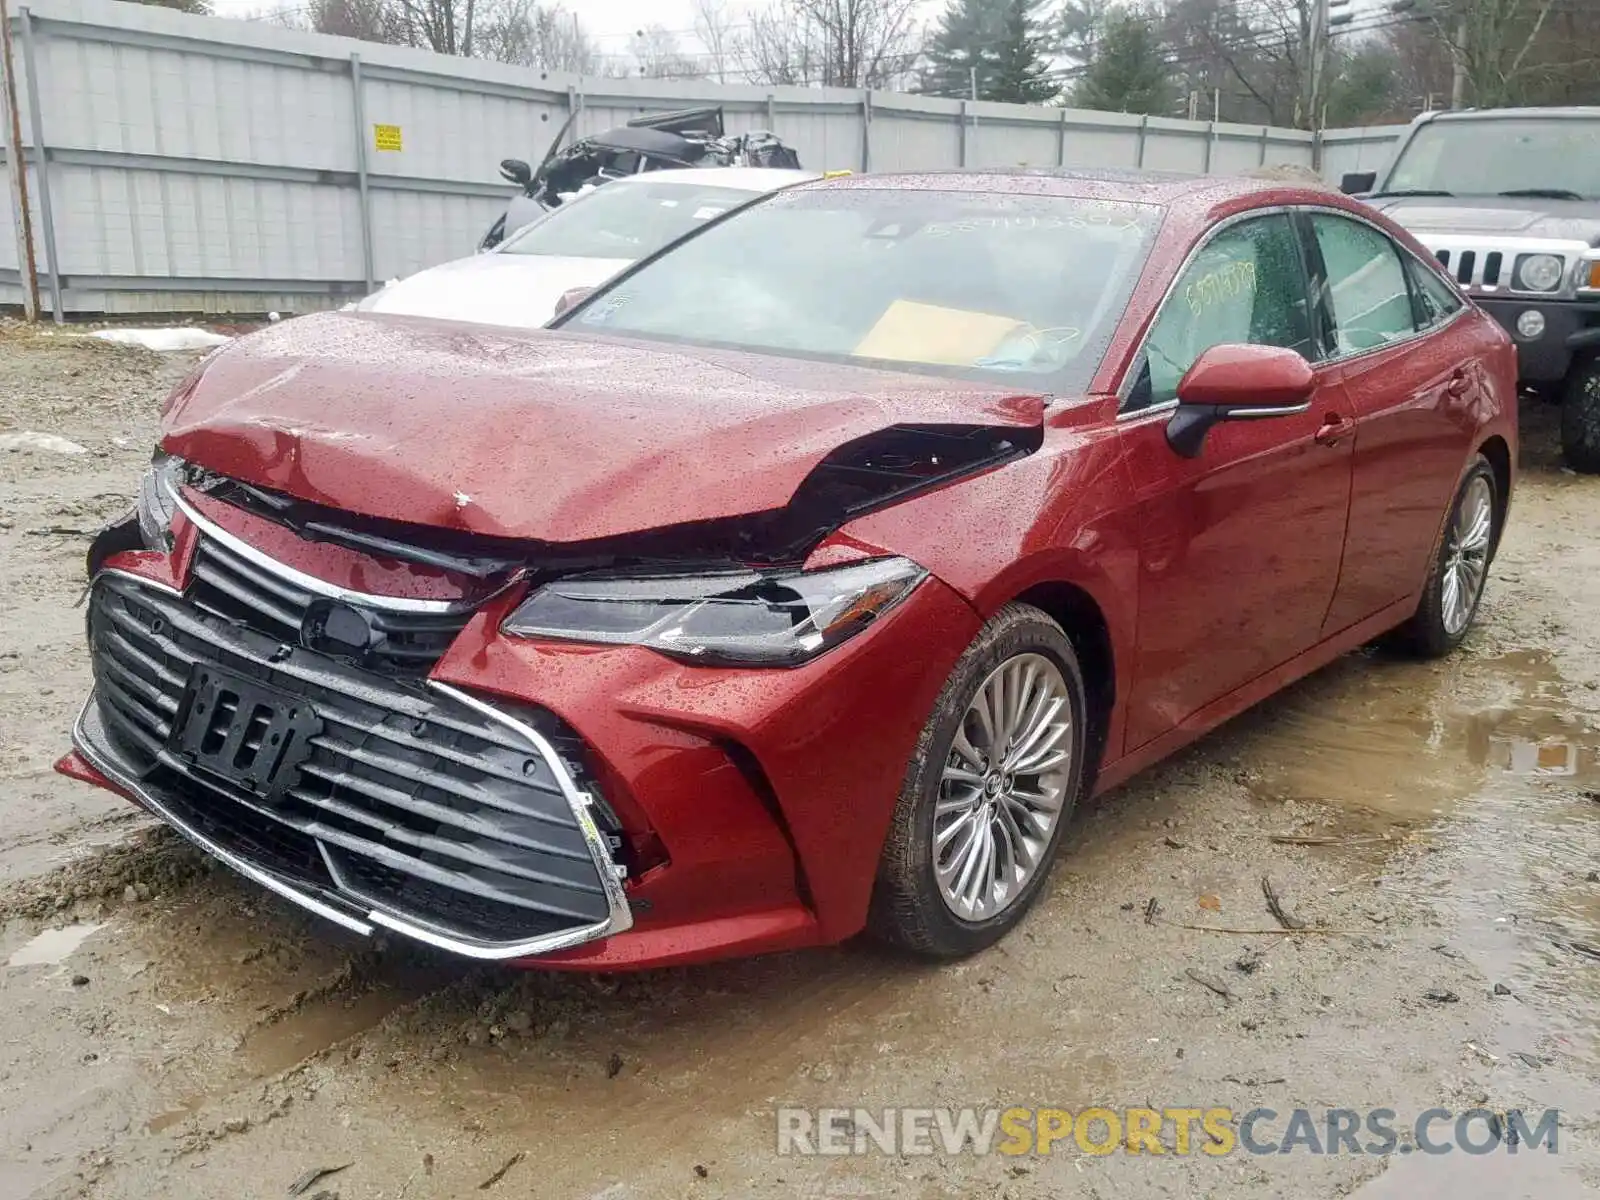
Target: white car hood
(493, 289)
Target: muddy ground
(167, 1030)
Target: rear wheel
(1580, 417)
(1460, 569)
(988, 792)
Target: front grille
(228, 584)
(408, 801)
(1473, 269)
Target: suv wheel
(1580, 417)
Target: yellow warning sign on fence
(386, 137)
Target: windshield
(963, 283)
(625, 220)
(1501, 154)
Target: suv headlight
(1540, 272)
(736, 618)
(158, 500)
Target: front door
(1240, 546)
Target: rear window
(625, 220)
(962, 283)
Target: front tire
(1580, 417)
(988, 792)
(1460, 570)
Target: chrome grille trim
(243, 592)
(311, 583)
(1485, 265)
(554, 852)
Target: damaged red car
(805, 577)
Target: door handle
(1334, 430)
(1457, 387)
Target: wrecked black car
(693, 137)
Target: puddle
(1498, 763)
(53, 946)
(1411, 741)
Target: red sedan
(805, 577)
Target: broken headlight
(158, 500)
(743, 618)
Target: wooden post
(17, 171)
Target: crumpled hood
(519, 290)
(539, 434)
(1509, 216)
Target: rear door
(1239, 546)
(1410, 380)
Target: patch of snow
(163, 341)
(28, 439)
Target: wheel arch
(1498, 453)
(1080, 616)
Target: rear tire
(1460, 568)
(984, 790)
(1580, 417)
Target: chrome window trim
(619, 916)
(321, 586)
(1130, 375)
(1434, 266)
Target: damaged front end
(267, 680)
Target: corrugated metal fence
(188, 164)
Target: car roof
(1163, 188)
(744, 179)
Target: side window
(1436, 300)
(1247, 285)
(1367, 291)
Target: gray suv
(1509, 202)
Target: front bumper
(749, 806)
(421, 810)
(1571, 328)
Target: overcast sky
(610, 23)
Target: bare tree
(659, 56)
(835, 43)
(715, 27)
(536, 35)
(776, 51)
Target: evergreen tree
(1000, 41)
(1019, 74)
(1129, 72)
(956, 48)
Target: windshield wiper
(1410, 192)
(1545, 193)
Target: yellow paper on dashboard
(926, 333)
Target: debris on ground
(1151, 911)
(1211, 984)
(1440, 996)
(1275, 906)
(503, 1171)
(315, 1175)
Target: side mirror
(1357, 183)
(517, 171)
(571, 298)
(1237, 383)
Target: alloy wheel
(1466, 560)
(1001, 792)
